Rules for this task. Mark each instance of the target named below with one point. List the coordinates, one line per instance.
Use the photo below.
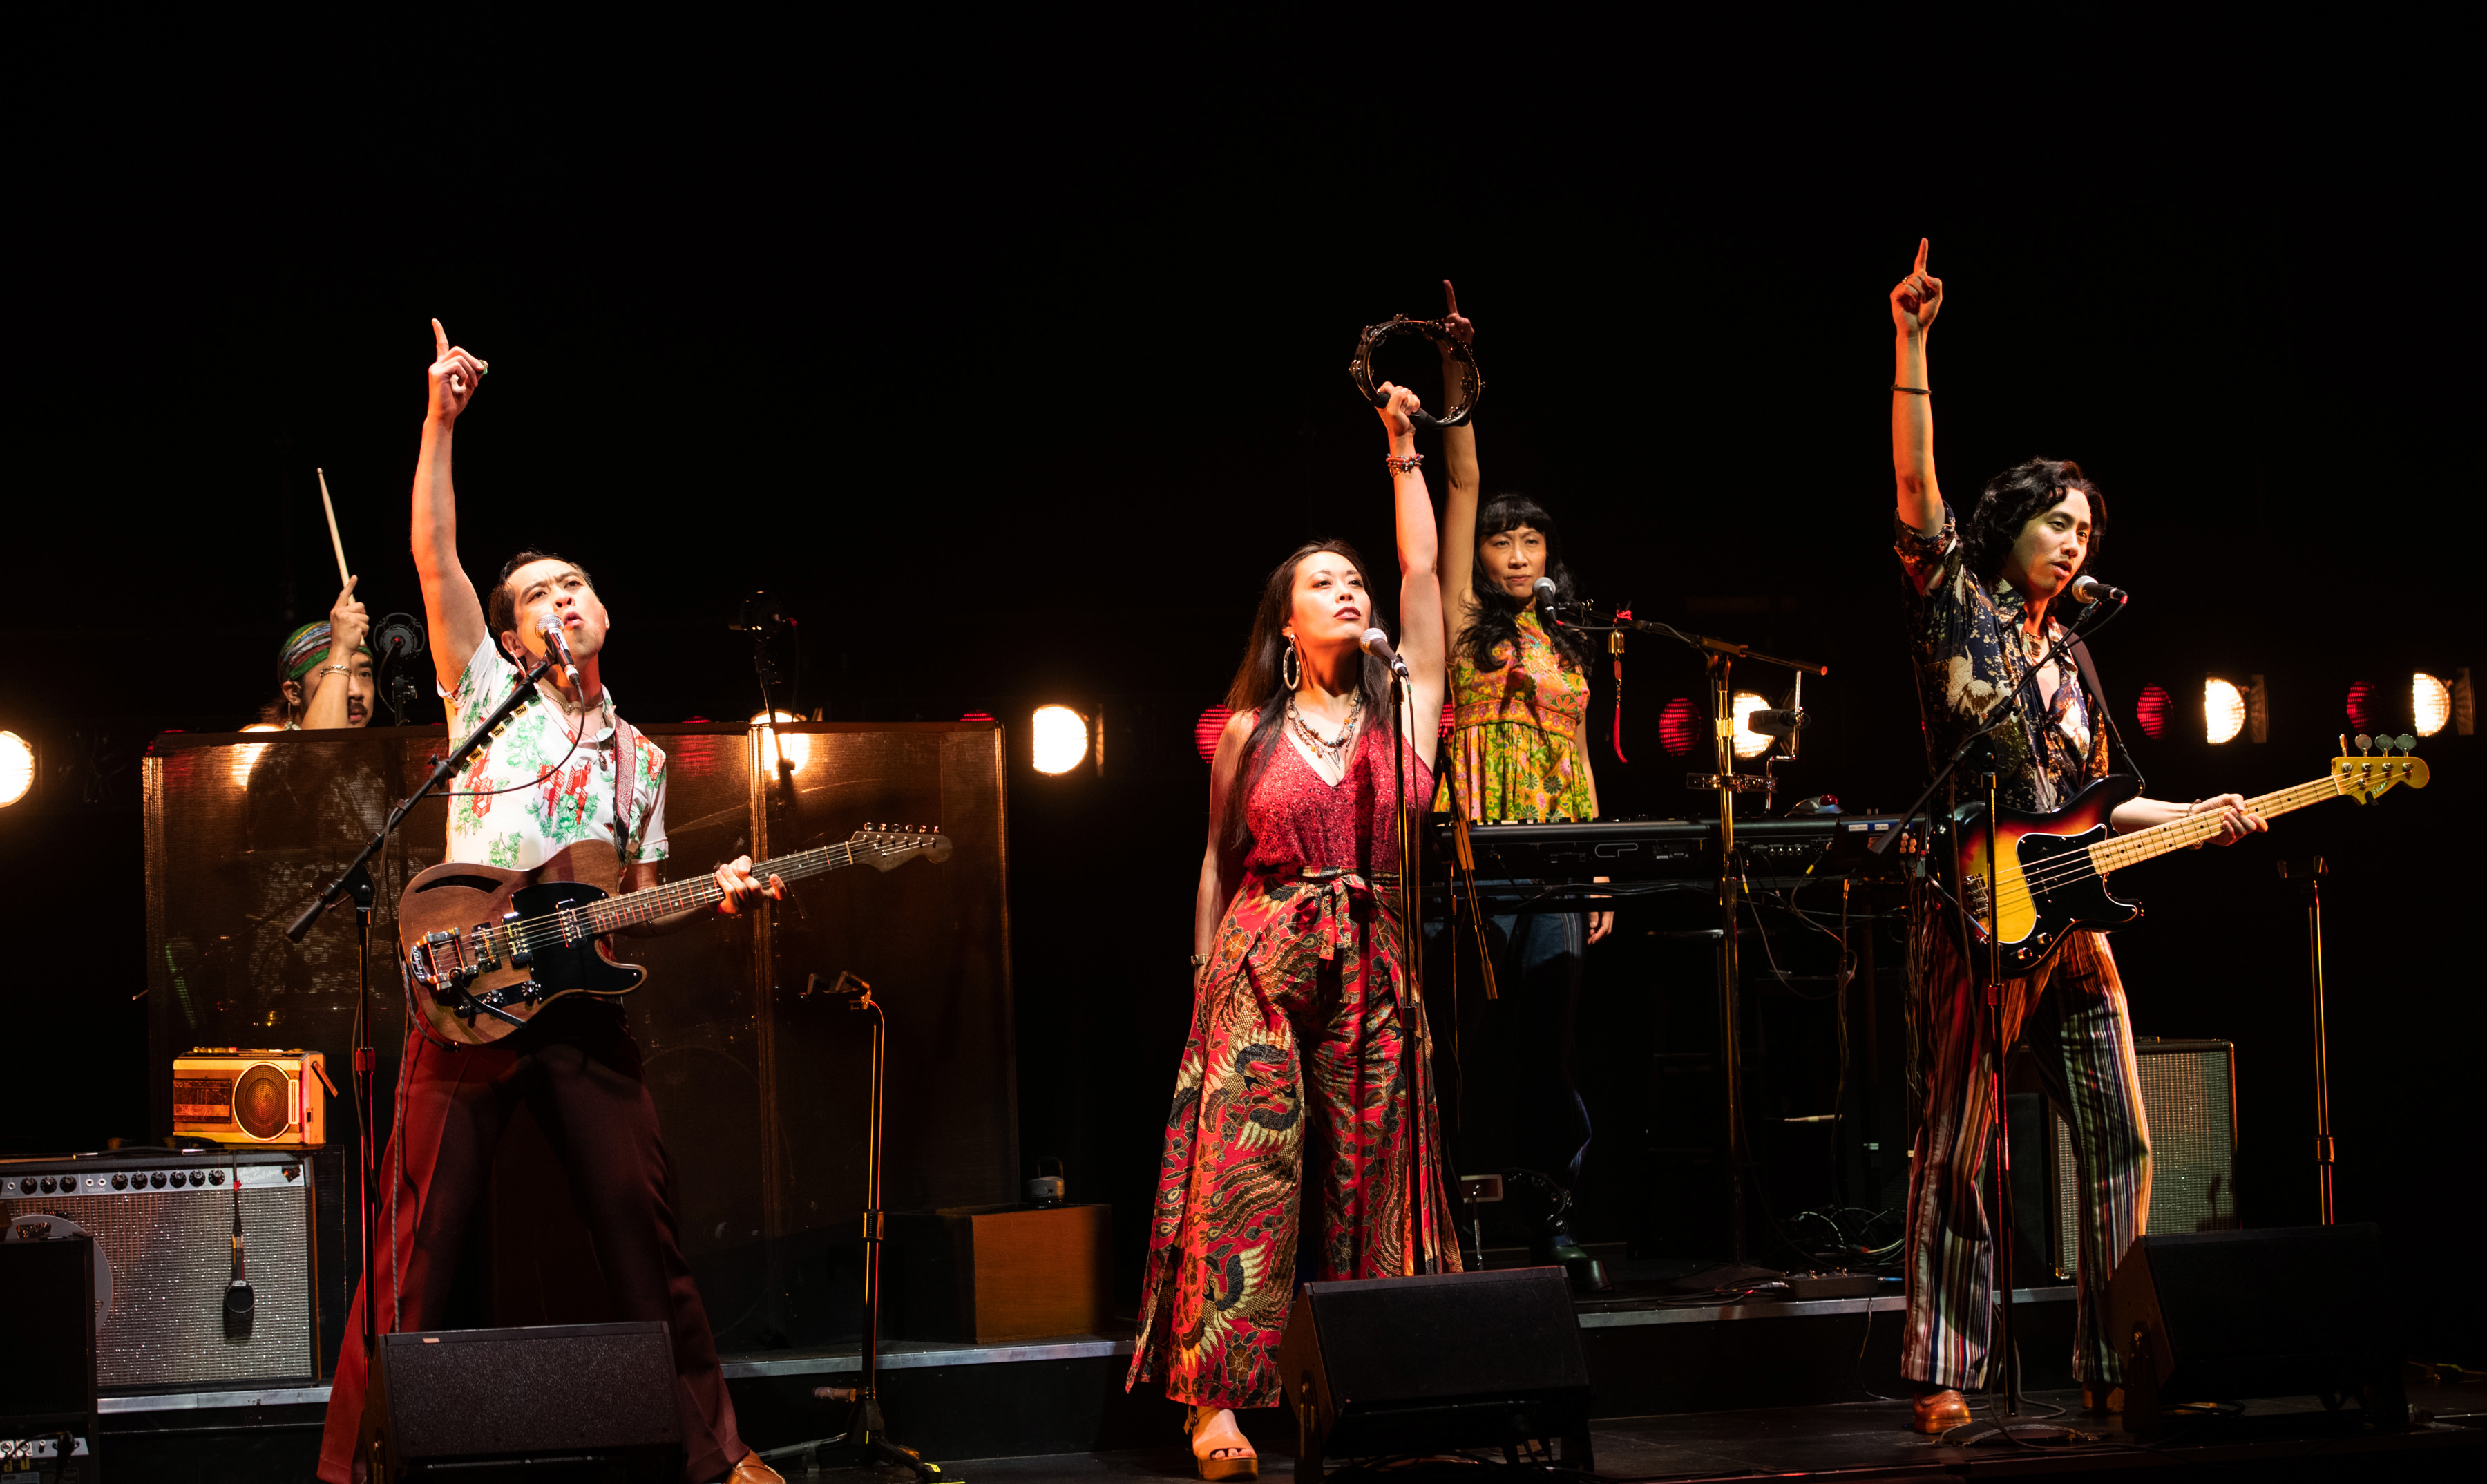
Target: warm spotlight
(1750, 743)
(794, 749)
(2230, 711)
(2151, 709)
(1205, 732)
(1060, 736)
(246, 756)
(2430, 704)
(1450, 718)
(17, 768)
(1676, 729)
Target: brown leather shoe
(1936, 1412)
(2100, 1401)
(751, 1471)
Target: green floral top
(1515, 751)
(529, 793)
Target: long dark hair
(1260, 688)
(1493, 615)
(2009, 502)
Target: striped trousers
(2071, 1014)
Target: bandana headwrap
(306, 647)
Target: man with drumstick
(564, 770)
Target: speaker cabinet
(537, 1404)
(2282, 1311)
(163, 1223)
(1378, 1366)
(2189, 1094)
(46, 1353)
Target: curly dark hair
(1493, 615)
(2013, 498)
(1260, 691)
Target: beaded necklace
(1334, 751)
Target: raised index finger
(1451, 296)
(440, 337)
(1921, 257)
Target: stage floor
(1870, 1440)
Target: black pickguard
(566, 964)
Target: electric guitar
(2050, 869)
(485, 948)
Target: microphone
(240, 1305)
(550, 627)
(1545, 591)
(1378, 645)
(2089, 590)
(1779, 721)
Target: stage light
(976, 715)
(2360, 706)
(1750, 743)
(794, 749)
(17, 768)
(2151, 709)
(1450, 718)
(1060, 739)
(2430, 704)
(2230, 711)
(1676, 730)
(246, 756)
(1203, 732)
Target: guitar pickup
(521, 956)
(480, 951)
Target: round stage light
(1676, 730)
(17, 768)
(2223, 710)
(246, 756)
(794, 749)
(1060, 737)
(1203, 732)
(1450, 718)
(2430, 704)
(2360, 706)
(2151, 709)
(1750, 743)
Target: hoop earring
(1290, 669)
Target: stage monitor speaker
(2189, 1096)
(1379, 1367)
(2280, 1311)
(46, 1352)
(163, 1223)
(535, 1404)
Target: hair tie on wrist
(1913, 391)
(1399, 465)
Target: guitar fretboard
(617, 912)
(2117, 851)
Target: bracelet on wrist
(334, 669)
(1405, 464)
(1913, 391)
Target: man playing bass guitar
(565, 771)
(1981, 624)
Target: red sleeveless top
(1300, 822)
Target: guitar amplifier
(233, 1095)
(2189, 1096)
(163, 1224)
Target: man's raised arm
(449, 602)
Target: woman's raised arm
(1420, 594)
(1914, 303)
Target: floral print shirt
(530, 793)
(1515, 750)
(1966, 639)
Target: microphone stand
(1719, 657)
(1420, 1213)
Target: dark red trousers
(578, 1073)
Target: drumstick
(342, 575)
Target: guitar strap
(626, 778)
(2079, 650)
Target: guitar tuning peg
(2344, 744)
(2365, 744)
(2406, 742)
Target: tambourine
(1472, 383)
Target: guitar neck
(638, 907)
(2200, 828)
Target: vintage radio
(232, 1093)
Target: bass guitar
(485, 948)
(2050, 869)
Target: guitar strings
(2082, 864)
(529, 933)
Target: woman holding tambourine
(1517, 750)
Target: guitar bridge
(1981, 902)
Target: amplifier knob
(121, 1182)
(198, 1177)
(49, 1184)
(156, 1180)
(216, 1177)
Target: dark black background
(1012, 373)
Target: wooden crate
(989, 1274)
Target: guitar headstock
(2366, 776)
(884, 845)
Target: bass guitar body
(2045, 887)
(474, 978)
